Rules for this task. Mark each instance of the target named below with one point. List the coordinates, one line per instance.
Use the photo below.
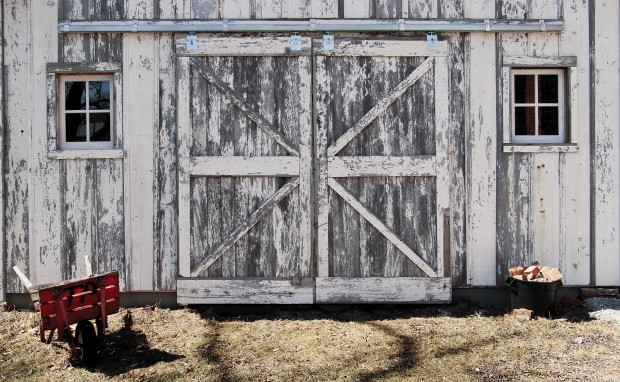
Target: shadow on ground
(128, 349)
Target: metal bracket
(543, 26)
(66, 26)
(401, 25)
(191, 41)
(328, 41)
(431, 41)
(487, 25)
(312, 24)
(295, 41)
(225, 25)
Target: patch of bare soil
(378, 343)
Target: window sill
(85, 154)
(541, 148)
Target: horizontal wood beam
(245, 291)
(244, 166)
(421, 165)
(347, 290)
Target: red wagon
(76, 301)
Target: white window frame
(568, 66)
(55, 71)
(87, 145)
(539, 138)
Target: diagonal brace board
(380, 107)
(247, 224)
(378, 224)
(243, 106)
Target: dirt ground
(459, 342)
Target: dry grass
(454, 343)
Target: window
(86, 115)
(537, 106)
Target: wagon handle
(22, 277)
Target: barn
(309, 151)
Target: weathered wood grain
(92, 9)
(481, 146)
(109, 216)
(578, 191)
(3, 265)
(244, 166)
(346, 47)
(140, 80)
(244, 106)
(45, 228)
(17, 141)
(379, 108)
(244, 227)
(423, 9)
(245, 291)
(85, 154)
(205, 9)
(539, 62)
(345, 167)
(606, 167)
(335, 290)
(184, 133)
(379, 225)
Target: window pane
(100, 127)
(524, 88)
(525, 122)
(75, 127)
(75, 95)
(99, 95)
(548, 120)
(548, 88)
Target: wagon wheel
(86, 340)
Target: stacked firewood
(536, 272)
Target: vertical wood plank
(18, 136)
(3, 265)
(205, 9)
(324, 9)
(140, 84)
(140, 9)
(515, 236)
(481, 160)
(545, 205)
(422, 9)
(457, 100)
(109, 207)
(268, 9)
(45, 196)
(305, 166)
(606, 165)
(441, 152)
(576, 182)
(236, 9)
(166, 219)
(80, 232)
(175, 9)
(321, 86)
(183, 151)
(479, 8)
(358, 9)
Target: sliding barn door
(381, 143)
(245, 171)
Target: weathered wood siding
(543, 198)
(508, 205)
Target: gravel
(604, 308)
